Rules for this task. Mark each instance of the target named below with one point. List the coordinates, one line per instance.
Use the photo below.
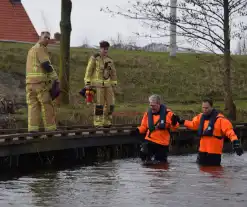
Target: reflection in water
(215, 171)
(158, 166)
(43, 187)
(125, 183)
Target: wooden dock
(18, 148)
(64, 138)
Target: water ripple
(125, 183)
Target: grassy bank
(182, 82)
(125, 113)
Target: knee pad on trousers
(99, 110)
(111, 109)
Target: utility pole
(173, 28)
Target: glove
(55, 91)
(83, 92)
(237, 148)
(175, 119)
(135, 132)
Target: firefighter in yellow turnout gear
(40, 77)
(101, 75)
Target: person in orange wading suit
(212, 128)
(156, 123)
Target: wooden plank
(82, 138)
(29, 137)
(24, 130)
(15, 138)
(64, 139)
(79, 141)
(66, 143)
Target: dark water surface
(126, 183)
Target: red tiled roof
(15, 23)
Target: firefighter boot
(108, 116)
(98, 116)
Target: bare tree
(208, 23)
(242, 45)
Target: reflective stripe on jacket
(34, 72)
(100, 71)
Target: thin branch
(192, 35)
(220, 39)
(200, 22)
(238, 8)
(207, 10)
(162, 18)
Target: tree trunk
(64, 73)
(230, 107)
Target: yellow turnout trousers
(104, 106)
(39, 102)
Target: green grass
(182, 81)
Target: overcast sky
(87, 21)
